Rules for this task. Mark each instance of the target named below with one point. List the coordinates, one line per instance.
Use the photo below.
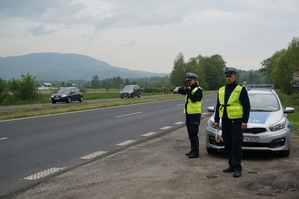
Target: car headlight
(52, 95)
(279, 125)
(63, 95)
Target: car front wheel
(285, 153)
(81, 99)
(68, 100)
(211, 151)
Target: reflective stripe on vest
(234, 108)
(193, 107)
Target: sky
(148, 35)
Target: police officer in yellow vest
(193, 100)
(232, 108)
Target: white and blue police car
(268, 126)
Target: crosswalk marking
(93, 155)
(44, 173)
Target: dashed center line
(125, 142)
(44, 173)
(179, 123)
(4, 138)
(129, 114)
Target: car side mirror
(289, 110)
(211, 109)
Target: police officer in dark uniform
(192, 109)
(232, 108)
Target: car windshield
(128, 88)
(64, 90)
(263, 102)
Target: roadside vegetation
(49, 108)
(281, 69)
(291, 101)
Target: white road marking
(125, 142)
(149, 134)
(44, 173)
(4, 138)
(166, 127)
(180, 104)
(93, 155)
(179, 123)
(129, 114)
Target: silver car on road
(268, 125)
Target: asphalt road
(34, 149)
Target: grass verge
(77, 106)
(291, 101)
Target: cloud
(40, 30)
(126, 33)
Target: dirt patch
(159, 168)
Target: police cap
(229, 70)
(190, 76)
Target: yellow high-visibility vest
(193, 107)
(234, 108)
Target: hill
(62, 67)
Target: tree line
(210, 72)
(281, 69)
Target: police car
(268, 126)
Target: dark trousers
(233, 137)
(192, 123)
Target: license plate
(251, 139)
(57, 98)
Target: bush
(83, 89)
(24, 88)
(3, 91)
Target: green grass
(291, 101)
(90, 94)
(77, 106)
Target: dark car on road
(130, 91)
(176, 90)
(67, 94)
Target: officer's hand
(216, 124)
(186, 84)
(244, 125)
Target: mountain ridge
(53, 66)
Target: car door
(77, 94)
(73, 94)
